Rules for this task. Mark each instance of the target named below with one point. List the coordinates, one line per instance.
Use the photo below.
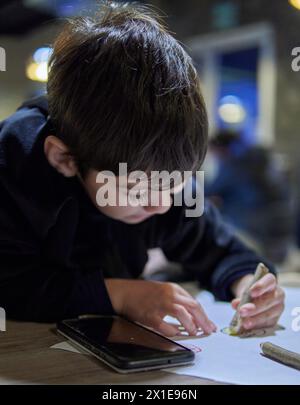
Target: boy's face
(122, 189)
(127, 198)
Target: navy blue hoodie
(56, 248)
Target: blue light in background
(42, 54)
(238, 71)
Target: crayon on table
(284, 356)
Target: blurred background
(243, 52)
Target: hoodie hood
(25, 173)
(19, 134)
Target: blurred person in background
(251, 188)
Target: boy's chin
(135, 219)
(128, 219)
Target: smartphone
(124, 345)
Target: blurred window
(238, 72)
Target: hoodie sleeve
(207, 248)
(35, 286)
(33, 290)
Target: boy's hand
(148, 302)
(267, 302)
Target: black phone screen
(124, 339)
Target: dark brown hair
(122, 89)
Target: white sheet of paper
(68, 347)
(237, 360)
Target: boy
(121, 90)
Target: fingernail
(243, 312)
(214, 328)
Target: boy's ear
(57, 154)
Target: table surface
(26, 358)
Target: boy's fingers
(165, 328)
(266, 323)
(200, 318)
(247, 309)
(184, 317)
(262, 304)
(235, 303)
(266, 284)
(266, 319)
